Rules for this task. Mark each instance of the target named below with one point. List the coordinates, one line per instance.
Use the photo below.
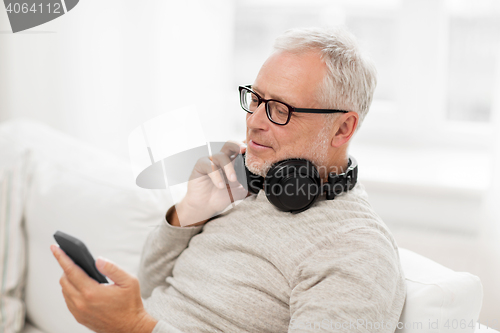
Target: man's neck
(337, 165)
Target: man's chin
(257, 165)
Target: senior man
(256, 268)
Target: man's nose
(258, 119)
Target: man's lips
(255, 143)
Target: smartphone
(78, 252)
(251, 182)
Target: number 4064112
(54, 8)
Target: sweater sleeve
(164, 327)
(161, 249)
(349, 284)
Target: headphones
(294, 184)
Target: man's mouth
(255, 144)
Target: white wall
(105, 67)
(491, 229)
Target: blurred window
(474, 46)
(435, 58)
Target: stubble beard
(255, 166)
(317, 153)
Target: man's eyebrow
(270, 95)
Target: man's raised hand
(212, 186)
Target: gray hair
(351, 77)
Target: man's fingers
(215, 175)
(205, 167)
(118, 275)
(219, 164)
(243, 147)
(68, 288)
(73, 272)
(214, 167)
(70, 300)
(222, 160)
(239, 193)
(231, 147)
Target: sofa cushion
(86, 193)
(438, 299)
(13, 186)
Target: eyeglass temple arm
(318, 110)
(249, 86)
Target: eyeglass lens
(277, 111)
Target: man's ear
(346, 126)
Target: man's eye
(282, 110)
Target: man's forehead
(268, 94)
(290, 77)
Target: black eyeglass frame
(291, 109)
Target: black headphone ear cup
(292, 185)
(251, 182)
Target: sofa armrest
(29, 328)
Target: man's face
(292, 79)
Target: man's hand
(103, 308)
(212, 187)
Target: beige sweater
(332, 268)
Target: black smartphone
(251, 182)
(78, 252)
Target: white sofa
(92, 195)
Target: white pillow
(86, 193)
(438, 299)
(13, 177)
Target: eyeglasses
(277, 112)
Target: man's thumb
(112, 271)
